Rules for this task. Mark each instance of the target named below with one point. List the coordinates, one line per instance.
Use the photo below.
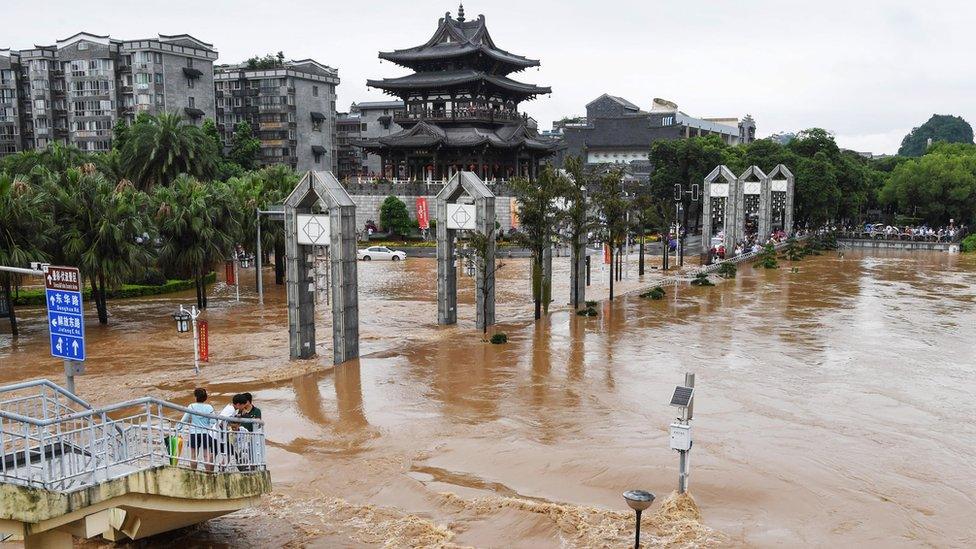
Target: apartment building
(73, 92)
(290, 106)
(349, 157)
(376, 120)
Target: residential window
(157, 58)
(82, 46)
(144, 57)
(237, 84)
(189, 83)
(159, 77)
(143, 99)
(159, 100)
(316, 125)
(667, 121)
(142, 78)
(315, 91)
(190, 102)
(362, 127)
(189, 62)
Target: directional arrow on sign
(58, 346)
(74, 347)
(54, 322)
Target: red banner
(204, 340)
(229, 273)
(606, 254)
(423, 215)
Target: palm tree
(159, 148)
(609, 199)
(197, 225)
(103, 229)
(25, 231)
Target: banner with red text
(423, 214)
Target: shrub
(767, 259)
(499, 338)
(394, 216)
(655, 293)
(968, 244)
(589, 311)
(701, 279)
(727, 270)
(591, 303)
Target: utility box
(680, 437)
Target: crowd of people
(215, 442)
(924, 233)
(752, 243)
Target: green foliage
(794, 251)
(727, 269)
(938, 186)
(120, 134)
(940, 128)
(701, 279)
(654, 293)
(159, 148)
(394, 216)
(588, 311)
(211, 130)
(499, 338)
(244, 147)
(968, 244)
(591, 303)
(26, 226)
(767, 259)
(268, 61)
(608, 199)
(35, 297)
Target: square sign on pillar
(65, 318)
(461, 217)
(313, 230)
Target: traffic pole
(257, 264)
(69, 374)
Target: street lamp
(183, 320)
(638, 500)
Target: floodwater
(835, 407)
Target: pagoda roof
(458, 38)
(423, 135)
(452, 79)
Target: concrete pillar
(301, 300)
(765, 210)
(485, 281)
(577, 273)
(345, 284)
(446, 271)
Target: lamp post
(638, 500)
(183, 320)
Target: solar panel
(682, 396)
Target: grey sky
(866, 70)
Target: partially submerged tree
(612, 205)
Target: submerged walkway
(122, 471)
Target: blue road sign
(65, 314)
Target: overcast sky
(866, 70)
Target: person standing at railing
(202, 442)
(249, 410)
(228, 446)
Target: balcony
(274, 143)
(265, 126)
(473, 114)
(272, 108)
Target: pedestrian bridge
(119, 471)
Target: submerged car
(380, 253)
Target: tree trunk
(198, 284)
(640, 255)
(203, 287)
(10, 304)
(279, 255)
(610, 247)
(665, 242)
(537, 276)
(98, 291)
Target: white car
(381, 253)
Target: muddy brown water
(835, 407)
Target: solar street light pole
(683, 457)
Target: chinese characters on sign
(65, 316)
(204, 341)
(423, 214)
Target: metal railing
(894, 233)
(53, 440)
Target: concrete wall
(176, 90)
(306, 103)
(374, 128)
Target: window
(316, 125)
(142, 78)
(190, 102)
(220, 101)
(159, 100)
(189, 62)
(315, 91)
(189, 83)
(237, 84)
(159, 77)
(362, 127)
(82, 46)
(143, 99)
(220, 85)
(667, 121)
(157, 58)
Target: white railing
(53, 440)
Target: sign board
(313, 229)
(204, 340)
(65, 315)
(229, 278)
(719, 190)
(751, 187)
(778, 185)
(423, 214)
(461, 217)
(606, 254)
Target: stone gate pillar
(749, 201)
(718, 207)
(781, 187)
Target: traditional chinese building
(460, 108)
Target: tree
(481, 250)
(539, 213)
(103, 228)
(685, 162)
(268, 61)
(213, 132)
(160, 148)
(120, 133)
(244, 147)
(197, 228)
(579, 223)
(609, 200)
(939, 128)
(25, 231)
(394, 216)
(936, 187)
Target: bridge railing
(65, 450)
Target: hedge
(36, 296)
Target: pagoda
(461, 109)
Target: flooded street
(835, 407)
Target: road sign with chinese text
(65, 314)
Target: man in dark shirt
(249, 410)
